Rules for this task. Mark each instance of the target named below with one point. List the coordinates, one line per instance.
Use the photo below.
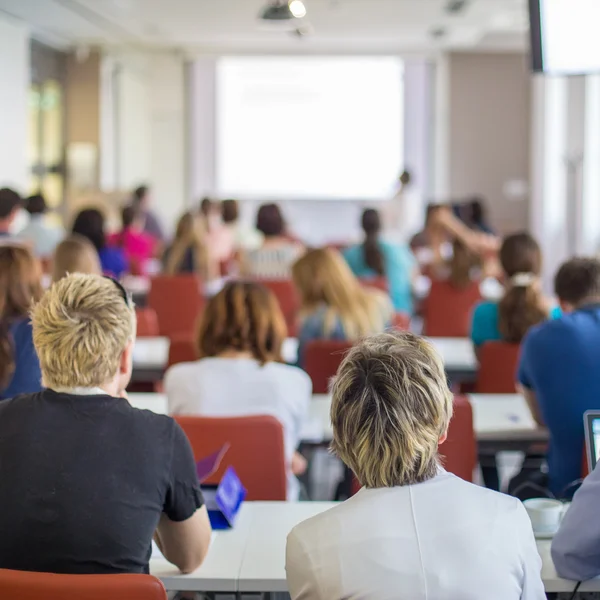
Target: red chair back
(447, 309)
(178, 301)
(26, 585)
(147, 322)
(321, 361)
(498, 363)
(400, 321)
(378, 283)
(182, 348)
(288, 299)
(256, 451)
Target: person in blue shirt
(20, 287)
(90, 224)
(333, 303)
(377, 258)
(523, 304)
(559, 370)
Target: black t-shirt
(84, 480)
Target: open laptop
(591, 421)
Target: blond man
(414, 530)
(87, 480)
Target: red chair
(26, 585)
(256, 451)
(288, 299)
(378, 283)
(458, 453)
(147, 322)
(178, 301)
(182, 349)
(321, 361)
(400, 321)
(447, 309)
(498, 362)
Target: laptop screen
(595, 440)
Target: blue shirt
(484, 325)
(113, 261)
(399, 264)
(560, 362)
(27, 377)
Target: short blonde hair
(81, 326)
(391, 404)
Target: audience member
(523, 303)
(274, 259)
(244, 238)
(477, 216)
(334, 305)
(10, 202)
(559, 371)
(188, 252)
(141, 200)
(576, 546)
(377, 258)
(240, 371)
(90, 224)
(39, 233)
(413, 530)
(137, 245)
(20, 286)
(87, 480)
(75, 254)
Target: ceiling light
(297, 8)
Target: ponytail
(373, 255)
(521, 307)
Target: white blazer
(444, 539)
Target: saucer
(545, 535)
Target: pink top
(137, 246)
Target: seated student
(576, 546)
(20, 287)
(240, 371)
(42, 235)
(88, 480)
(90, 224)
(141, 201)
(244, 238)
(277, 254)
(137, 245)
(188, 252)
(559, 374)
(75, 254)
(523, 303)
(374, 257)
(413, 530)
(10, 202)
(333, 304)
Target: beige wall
(489, 131)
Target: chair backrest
(178, 301)
(288, 299)
(400, 321)
(498, 363)
(321, 361)
(379, 283)
(182, 348)
(25, 585)
(147, 322)
(256, 451)
(447, 309)
(459, 451)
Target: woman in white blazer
(413, 531)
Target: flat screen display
(565, 39)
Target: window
(309, 127)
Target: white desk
(552, 582)
(458, 356)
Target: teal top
(484, 326)
(399, 265)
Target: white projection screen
(309, 127)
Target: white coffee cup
(545, 514)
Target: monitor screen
(564, 36)
(596, 442)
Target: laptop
(591, 421)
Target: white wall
(14, 86)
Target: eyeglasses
(124, 294)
